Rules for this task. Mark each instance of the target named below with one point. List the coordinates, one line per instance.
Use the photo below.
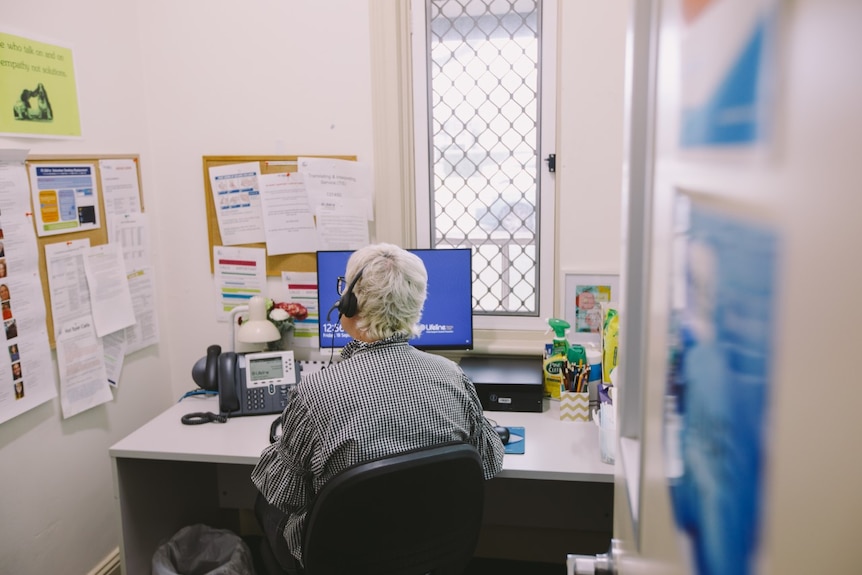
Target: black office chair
(414, 513)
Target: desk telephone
(247, 384)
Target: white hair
(391, 293)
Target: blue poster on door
(727, 72)
(719, 378)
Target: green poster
(38, 94)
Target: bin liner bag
(202, 550)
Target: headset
(347, 306)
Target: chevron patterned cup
(574, 406)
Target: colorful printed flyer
(65, 198)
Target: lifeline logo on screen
(437, 328)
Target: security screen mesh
(483, 78)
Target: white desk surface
(554, 449)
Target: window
(484, 117)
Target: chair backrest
(408, 514)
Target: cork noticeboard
(275, 264)
(96, 236)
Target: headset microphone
(347, 306)
(333, 308)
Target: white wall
(174, 81)
(56, 497)
(590, 134)
(286, 77)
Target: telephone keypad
(256, 397)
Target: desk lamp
(256, 329)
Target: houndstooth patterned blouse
(386, 397)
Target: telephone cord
(200, 417)
(197, 392)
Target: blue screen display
(447, 317)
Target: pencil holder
(574, 406)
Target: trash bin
(202, 550)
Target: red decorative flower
(296, 310)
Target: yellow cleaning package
(610, 340)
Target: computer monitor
(447, 317)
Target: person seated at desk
(384, 398)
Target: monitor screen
(447, 318)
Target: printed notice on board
(65, 198)
(145, 331)
(302, 288)
(27, 376)
(110, 297)
(67, 282)
(81, 361)
(339, 185)
(240, 273)
(286, 214)
(236, 198)
(120, 186)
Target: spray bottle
(554, 365)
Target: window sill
(502, 342)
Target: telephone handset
(247, 384)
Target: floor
(476, 566)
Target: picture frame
(582, 297)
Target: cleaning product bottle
(555, 362)
(610, 343)
(559, 344)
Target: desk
(168, 475)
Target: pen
(582, 375)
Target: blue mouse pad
(516, 441)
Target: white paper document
(302, 288)
(331, 182)
(110, 297)
(14, 184)
(67, 282)
(132, 233)
(18, 248)
(236, 198)
(81, 361)
(240, 273)
(342, 226)
(287, 214)
(145, 332)
(114, 346)
(120, 191)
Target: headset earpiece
(348, 305)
